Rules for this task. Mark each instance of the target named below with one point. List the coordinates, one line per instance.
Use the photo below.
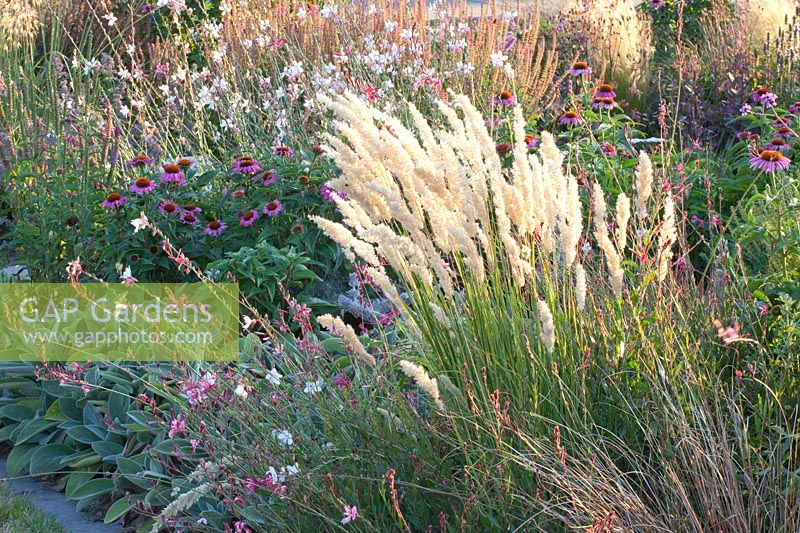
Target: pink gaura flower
(350, 514)
(176, 426)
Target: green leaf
(120, 507)
(54, 413)
(91, 417)
(29, 430)
(6, 431)
(19, 459)
(76, 480)
(69, 406)
(93, 489)
(47, 459)
(17, 412)
(118, 405)
(126, 465)
(107, 450)
(85, 434)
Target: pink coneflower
(140, 160)
(192, 208)
(531, 141)
(765, 97)
(113, 200)
(285, 151)
(777, 144)
(769, 161)
(571, 118)
(605, 90)
(608, 149)
(272, 208)
(185, 163)
(173, 175)
(655, 4)
(794, 108)
(784, 131)
(782, 121)
(603, 103)
(143, 186)
(505, 98)
(743, 135)
(189, 219)
(168, 207)
(246, 165)
(248, 218)
(215, 228)
(502, 148)
(268, 177)
(580, 68)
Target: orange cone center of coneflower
(783, 129)
(184, 162)
(303, 179)
(762, 90)
(283, 148)
(169, 208)
(190, 207)
(248, 215)
(506, 95)
(778, 142)
(172, 169)
(189, 217)
(502, 147)
(113, 197)
(528, 137)
(604, 100)
(143, 182)
(214, 224)
(272, 205)
(605, 87)
(140, 157)
(571, 114)
(580, 65)
(770, 155)
(246, 161)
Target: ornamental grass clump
(495, 250)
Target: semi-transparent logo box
(103, 322)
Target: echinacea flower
(192, 208)
(776, 144)
(246, 165)
(268, 177)
(782, 121)
(784, 131)
(794, 108)
(531, 141)
(608, 149)
(272, 208)
(743, 135)
(113, 200)
(168, 207)
(283, 150)
(215, 228)
(605, 90)
(765, 97)
(502, 148)
(248, 218)
(504, 98)
(580, 68)
(189, 219)
(140, 160)
(186, 162)
(570, 118)
(769, 161)
(655, 4)
(143, 186)
(603, 103)
(173, 175)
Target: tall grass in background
(576, 359)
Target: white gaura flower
(274, 377)
(241, 391)
(283, 436)
(140, 223)
(313, 387)
(111, 18)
